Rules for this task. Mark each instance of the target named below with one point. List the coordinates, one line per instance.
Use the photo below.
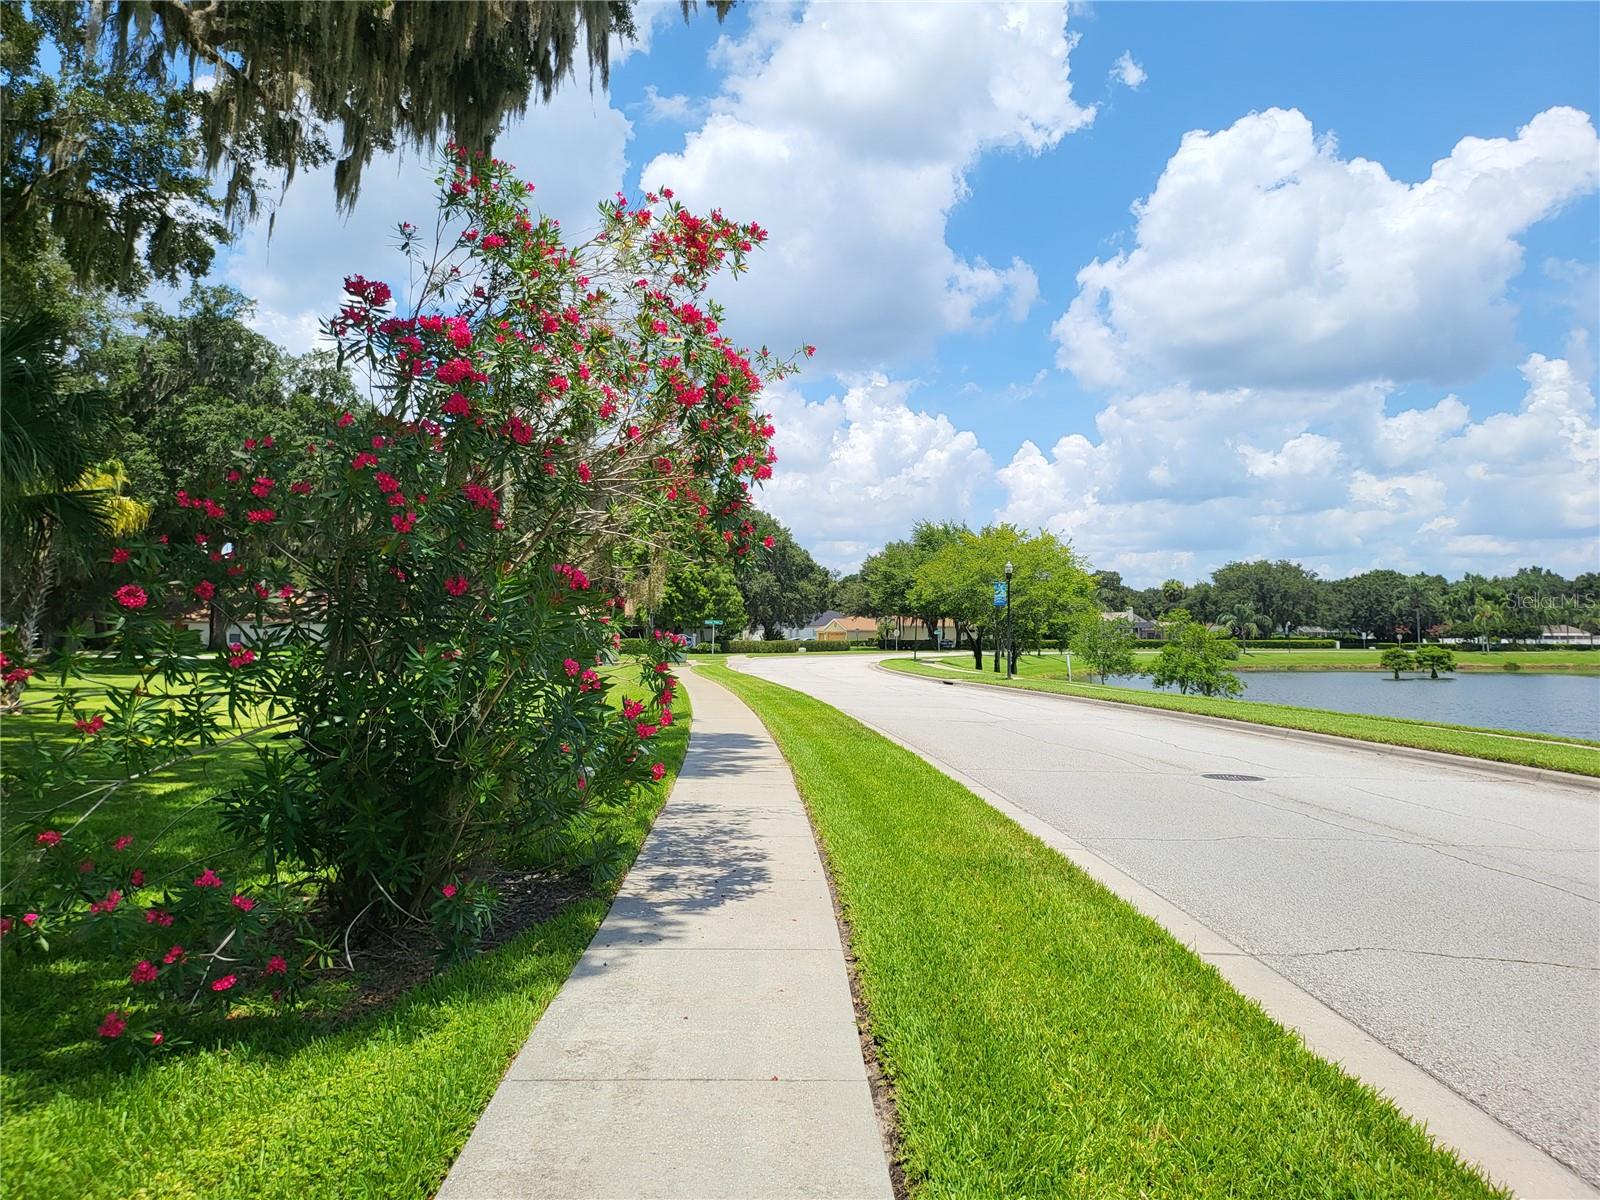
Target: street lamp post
(1010, 663)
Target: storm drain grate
(1234, 778)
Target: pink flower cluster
(576, 580)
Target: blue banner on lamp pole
(999, 593)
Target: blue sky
(1308, 341)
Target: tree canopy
(783, 585)
(118, 111)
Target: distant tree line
(1262, 599)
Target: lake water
(1562, 704)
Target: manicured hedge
(1291, 643)
(763, 647)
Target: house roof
(821, 619)
(1127, 615)
(1564, 631)
(852, 624)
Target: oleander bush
(424, 589)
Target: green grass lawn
(1043, 1038)
(1549, 751)
(291, 1107)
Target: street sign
(999, 593)
(713, 621)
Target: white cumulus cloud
(848, 131)
(857, 469)
(1264, 259)
(1330, 477)
(1127, 72)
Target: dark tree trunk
(216, 626)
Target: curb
(1582, 783)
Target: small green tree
(1106, 646)
(1195, 659)
(1434, 659)
(696, 591)
(1397, 659)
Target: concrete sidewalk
(706, 1044)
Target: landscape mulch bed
(391, 953)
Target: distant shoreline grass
(1559, 661)
(1042, 1036)
(1574, 756)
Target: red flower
(584, 474)
(456, 406)
(238, 656)
(449, 891)
(119, 555)
(122, 843)
(130, 595)
(276, 966)
(259, 516)
(144, 972)
(243, 903)
(48, 838)
(457, 586)
(208, 879)
(156, 916)
(173, 955)
(346, 419)
(631, 709)
(90, 727)
(205, 589)
(137, 877)
(157, 1038)
(114, 1026)
(223, 984)
(657, 770)
(30, 919)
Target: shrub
(1194, 659)
(428, 648)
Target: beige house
(848, 629)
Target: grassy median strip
(375, 1107)
(1044, 1038)
(1550, 751)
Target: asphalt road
(1451, 912)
